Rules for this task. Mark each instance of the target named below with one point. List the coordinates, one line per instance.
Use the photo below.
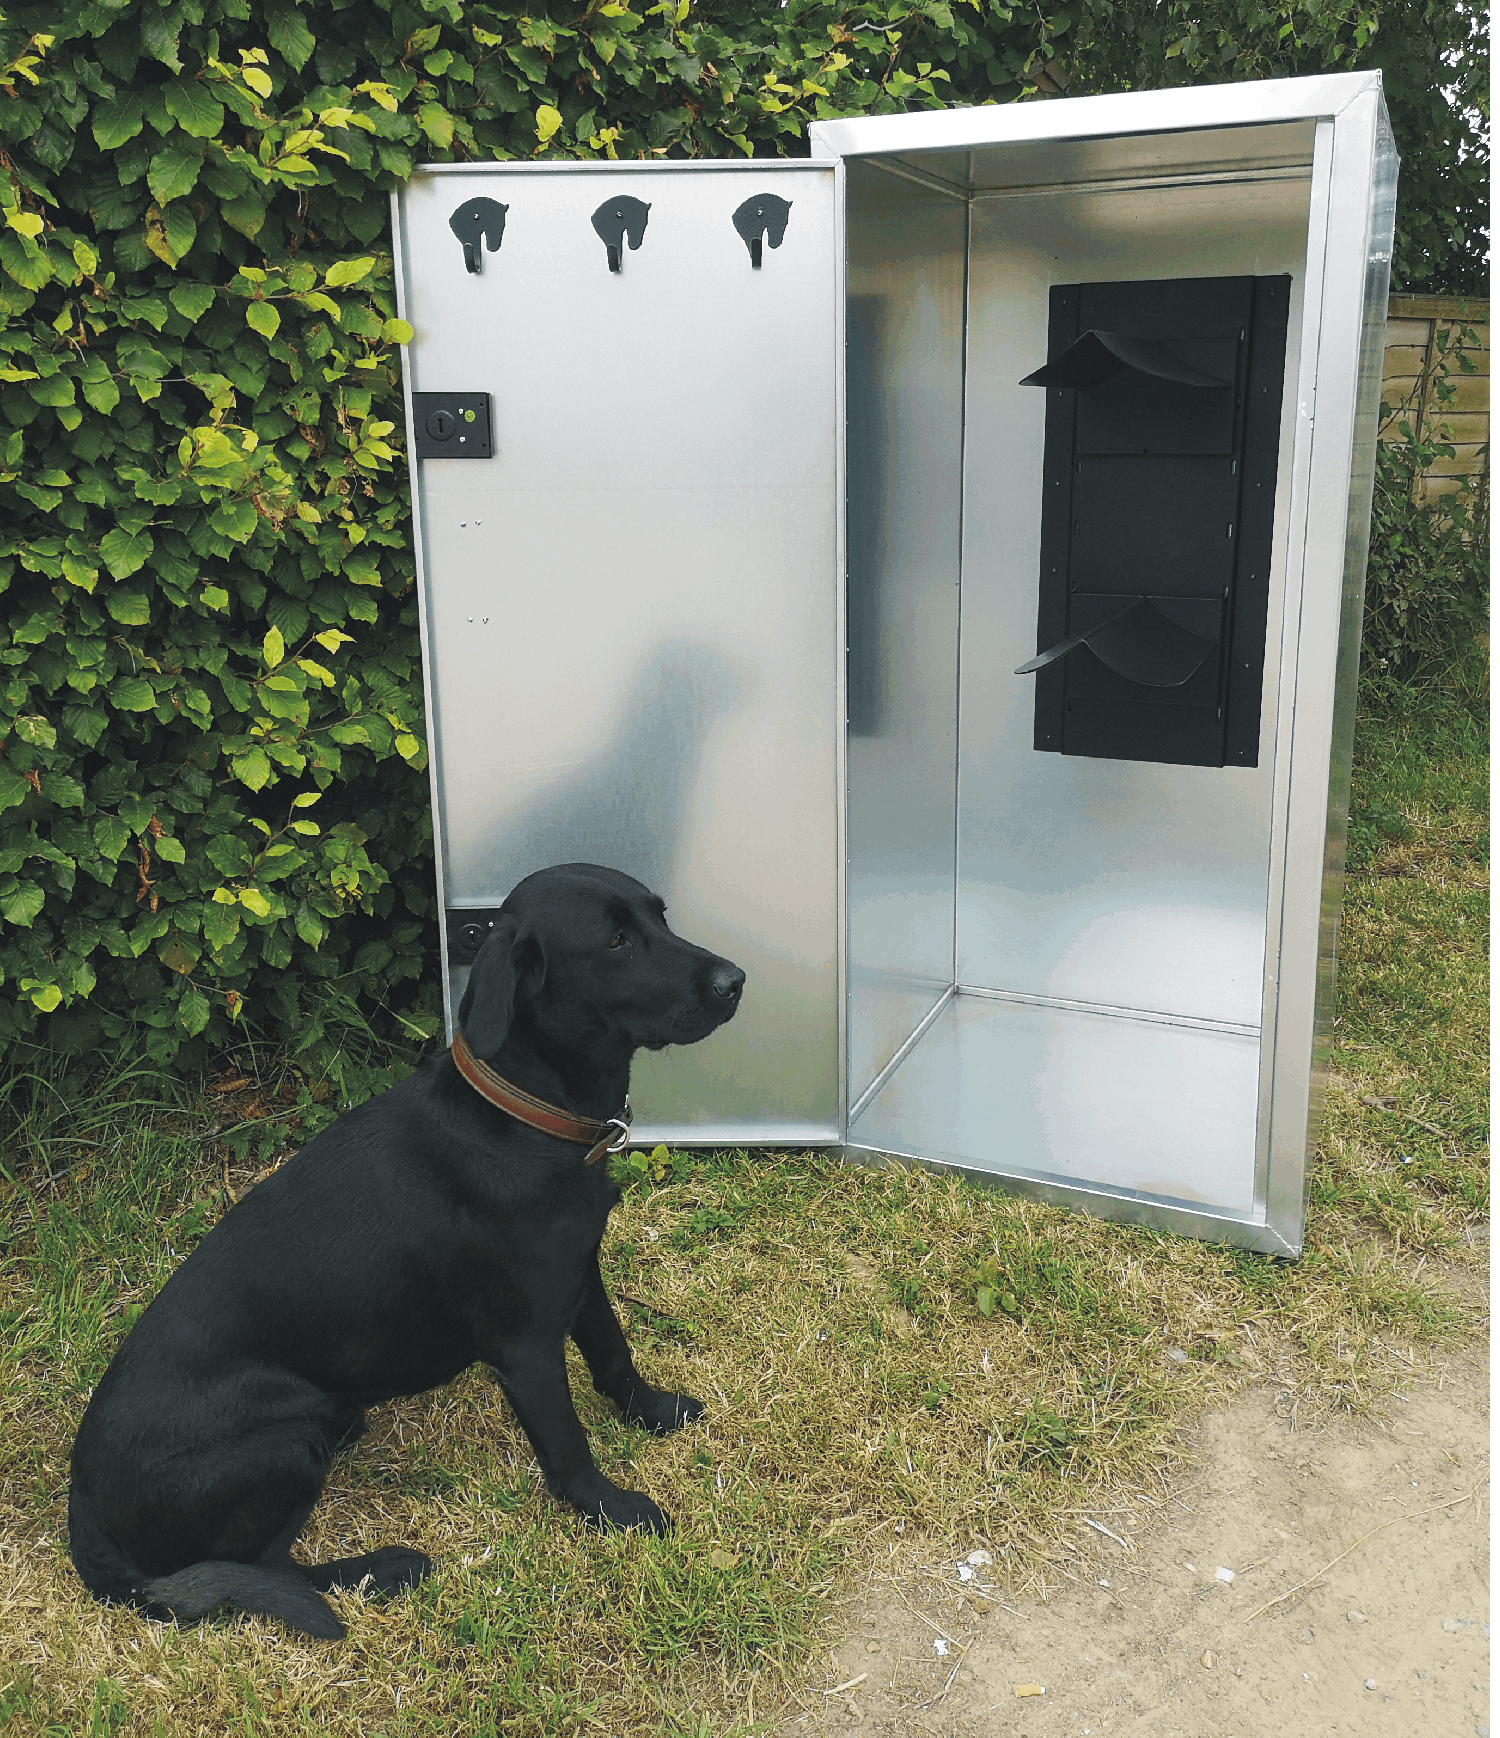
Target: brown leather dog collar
(609, 1136)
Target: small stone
(1369, 1683)
(1357, 1617)
(1208, 1658)
(1177, 1355)
(1223, 1574)
(979, 1559)
(1306, 1636)
(872, 1647)
(1453, 1625)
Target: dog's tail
(194, 1592)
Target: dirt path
(1393, 1639)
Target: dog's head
(582, 956)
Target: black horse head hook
(618, 220)
(476, 218)
(762, 214)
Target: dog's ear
(508, 967)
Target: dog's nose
(727, 982)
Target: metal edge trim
(1150, 183)
(629, 165)
(931, 183)
(710, 1137)
(839, 241)
(1149, 1212)
(872, 1091)
(1113, 1011)
(398, 250)
(1379, 226)
(963, 544)
(1190, 108)
(1299, 507)
(1298, 1078)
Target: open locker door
(625, 392)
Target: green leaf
(251, 767)
(170, 850)
(125, 552)
(111, 835)
(37, 731)
(194, 109)
(132, 694)
(235, 519)
(289, 36)
(349, 271)
(246, 212)
(119, 121)
(262, 317)
(22, 903)
(174, 170)
(272, 648)
(437, 124)
(192, 301)
(221, 924)
(131, 607)
(254, 900)
(193, 1011)
(54, 391)
(66, 792)
(176, 956)
(100, 392)
(46, 996)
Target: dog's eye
(619, 939)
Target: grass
(859, 1403)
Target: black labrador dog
(426, 1230)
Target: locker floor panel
(1066, 1096)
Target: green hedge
(213, 797)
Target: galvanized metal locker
(732, 594)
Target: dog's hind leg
(598, 1335)
(391, 1569)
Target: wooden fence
(1411, 339)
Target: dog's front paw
(609, 1506)
(661, 1411)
